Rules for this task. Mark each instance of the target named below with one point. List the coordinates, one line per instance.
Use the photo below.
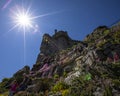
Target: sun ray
(15, 26)
(43, 15)
(23, 18)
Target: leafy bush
(116, 82)
(4, 84)
(106, 32)
(101, 43)
(56, 76)
(64, 74)
(60, 86)
(81, 86)
(65, 92)
(4, 94)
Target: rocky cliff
(51, 47)
(67, 67)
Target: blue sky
(77, 17)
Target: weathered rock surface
(90, 67)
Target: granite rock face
(51, 46)
(90, 67)
(59, 41)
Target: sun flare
(22, 18)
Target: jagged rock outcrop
(98, 59)
(89, 68)
(19, 74)
(102, 61)
(59, 41)
(25, 69)
(52, 45)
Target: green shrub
(60, 86)
(106, 32)
(65, 74)
(56, 76)
(4, 94)
(82, 86)
(116, 82)
(65, 92)
(101, 43)
(4, 84)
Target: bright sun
(22, 19)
